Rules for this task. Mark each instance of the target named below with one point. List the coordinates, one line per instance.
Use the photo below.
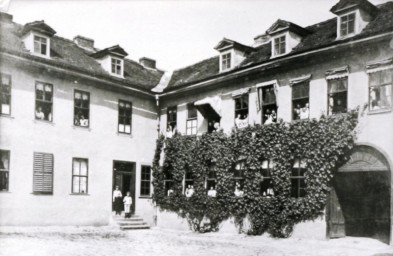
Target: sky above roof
(175, 33)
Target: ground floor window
(4, 169)
(168, 182)
(43, 173)
(266, 184)
(79, 176)
(298, 185)
(145, 180)
(238, 178)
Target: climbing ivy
(323, 144)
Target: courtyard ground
(75, 241)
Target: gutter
(274, 61)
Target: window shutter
(43, 173)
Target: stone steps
(132, 223)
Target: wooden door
(335, 217)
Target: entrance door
(124, 177)
(362, 205)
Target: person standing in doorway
(127, 205)
(117, 200)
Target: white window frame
(117, 66)
(222, 56)
(355, 24)
(47, 48)
(274, 54)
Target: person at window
(297, 112)
(190, 191)
(127, 205)
(169, 133)
(77, 119)
(170, 192)
(216, 127)
(212, 192)
(238, 191)
(268, 193)
(117, 200)
(271, 116)
(39, 114)
(83, 121)
(338, 107)
(305, 112)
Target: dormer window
(347, 24)
(226, 61)
(116, 66)
(279, 45)
(40, 45)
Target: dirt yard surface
(105, 241)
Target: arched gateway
(359, 203)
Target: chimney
(5, 17)
(85, 43)
(261, 39)
(147, 63)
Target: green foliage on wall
(323, 145)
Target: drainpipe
(158, 136)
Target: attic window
(226, 61)
(347, 24)
(116, 66)
(279, 45)
(40, 45)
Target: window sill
(84, 128)
(128, 135)
(7, 116)
(41, 194)
(79, 194)
(36, 121)
(145, 197)
(379, 111)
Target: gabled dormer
(36, 37)
(112, 60)
(285, 36)
(353, 16)
(231, 53)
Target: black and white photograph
(196, 127)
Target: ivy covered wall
(295, 161)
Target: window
(269, 106)
(81, 108)
(241, 111)
(298, 185)
(171, 113)
(188, 178)
(211, 178)
(266, 184)
(191, 128)
(279, 45)
(79, 175)
(168, 182)
(225, 61)
(116, 66)
(125, 116)
(337, 89)
(43, 101)
(4, 169)
(43, 173)
(40, 45)
(5, 94)
(145, 180)
(300, 101)
(380, 97)
(347, 25)
(238, 174)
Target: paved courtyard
(58, 241)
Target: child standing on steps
(127, 205)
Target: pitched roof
(227, 43)
(320, 35)
(66, 53)
(116, 50)
(350, 4)
(280, 25)
(39, 26)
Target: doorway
(124, 177)
(359, 202)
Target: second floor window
(298, 185)
(5, 94)
(269, 104)
(116, 66)
(380, 96)
(226, 61)
(79, 175)
(125, 115)
(241, 111)
(43, 101)
(145, 180)
(279, 45)
(4, 169)
(191, 126)
(337, 89)
(81, 108)
(43, 173)
(347, 25)
(171, 113)
(40, 45)
(300, 100)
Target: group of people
(302, 113)
(81, 120)
(121, 203)
(40, 115)
(211, 192)
(270, 116)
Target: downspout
(158, 136)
